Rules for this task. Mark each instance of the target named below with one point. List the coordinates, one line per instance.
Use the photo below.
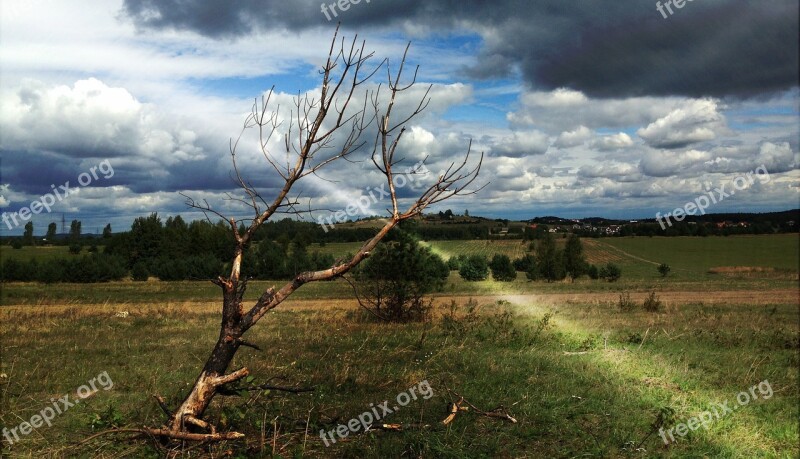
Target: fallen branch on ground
(166, 433)
(497, 413)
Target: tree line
(548, 263)
(173, 250)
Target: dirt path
(787, 296)
(742, 297)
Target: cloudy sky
(582, 108)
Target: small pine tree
(502, 269)
(139, 272)
(610, 272)
(474, 268)
(524, 263)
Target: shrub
(593, 272)
(392, 282)
(664, 269)
(139, 272)
(204, 266)
(16, 244)
(169, 269)
(75, 249)
(474, 268)
(454, 263)
(502, 269)
(50, 271)
(533, 272)
(652, 303)
(610, 272)
(15, 270)
(625, 303)
(322, 260)
(524, 263)
(91, 268)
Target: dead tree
(309, 146)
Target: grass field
(38, 253)
(638, 258)
(581, 377)
(691, 257)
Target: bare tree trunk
(213, 374)
(313, 136)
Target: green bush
(664, 269)
(474, 268)
(197, 267)
(502, 269)
(393, 281)
(593, 272)
(610, 272)
(453, 263)
(139, 272)
(525, 263)
(533, 272)
(50, 272)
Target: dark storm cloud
(604, 48)
(33, 172)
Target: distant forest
(176, 250)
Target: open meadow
(419, 230)
(580, 375)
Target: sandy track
(743, 297)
